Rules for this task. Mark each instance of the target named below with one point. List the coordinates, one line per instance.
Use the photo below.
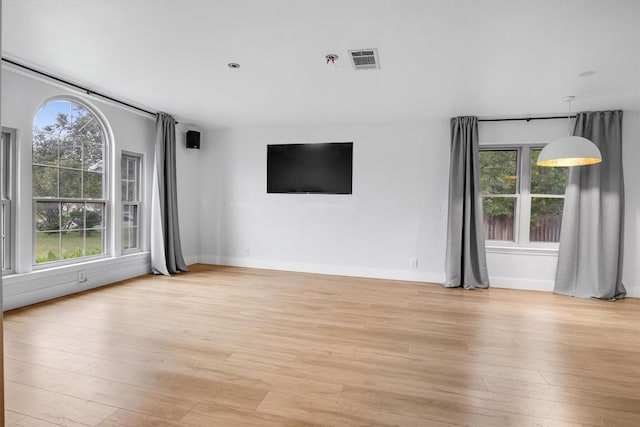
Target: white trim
(521, 284)
(138, 157)
(108, 145)
(522, 250)
(412, 275)
(42, 285)
(523, 196)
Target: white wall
(513, 267)
(631, 157)
(396, 211)
(188, 166)
(536, 269)
(22, 97)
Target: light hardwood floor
(222, 346)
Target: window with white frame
(522, 202)
(68, 183)
(6, 196)
(130, 182)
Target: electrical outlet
(81, 277)
(413, 262)
(246, 252)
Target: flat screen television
(323, 168)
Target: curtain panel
(465, 262)
(166, 250)
(592, 235)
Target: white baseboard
(338, 270)
(29, 288)
(521, 284)
(633, 292)
(191, 259)
(375, 273)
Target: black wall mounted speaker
(193, 139)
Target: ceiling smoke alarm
(364, 59)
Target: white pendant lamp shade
(569, 151)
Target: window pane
(47, 247)
(70, 153)
(70, 183)
(68, 163)
(546, 180)
(72, 244)
(132, 171)
(45, 181)
(124, 190)
(72, 216)
(498, 171)
(47, 216)
(5, 223)
(94, 242)
(87, 129)
(546, 218)
(93, 156)
(129, 226)
(45, 149)
(6, 166)
(131, 192)
(92, 185)
(129, 215)
(129, 237)
(499, 214)
(95, 215)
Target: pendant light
(569, 150)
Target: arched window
(69, 182)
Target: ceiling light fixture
(331, 58)
(233, 65)
(569, 150)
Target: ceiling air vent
(364, 59)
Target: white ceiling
(439, 58)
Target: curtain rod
(526, 119)
(77, 86)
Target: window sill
(87, 263)
(522, 250)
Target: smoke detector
(364, 59)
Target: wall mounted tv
(322, 168)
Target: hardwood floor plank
(566, 394)
(45, 356)
(124, 418)
(171, 407)
(335, 414)
(166, 382)
(253, 378)
(210, 414)
(12, 366)
(54, 407)
(234, 346)
(487, 408)
(105, 349)
(30, 422)
(351, 374)
(449, 407)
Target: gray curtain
(591, 239)
(166, 251)
(465, 263)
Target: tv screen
(324, 168)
